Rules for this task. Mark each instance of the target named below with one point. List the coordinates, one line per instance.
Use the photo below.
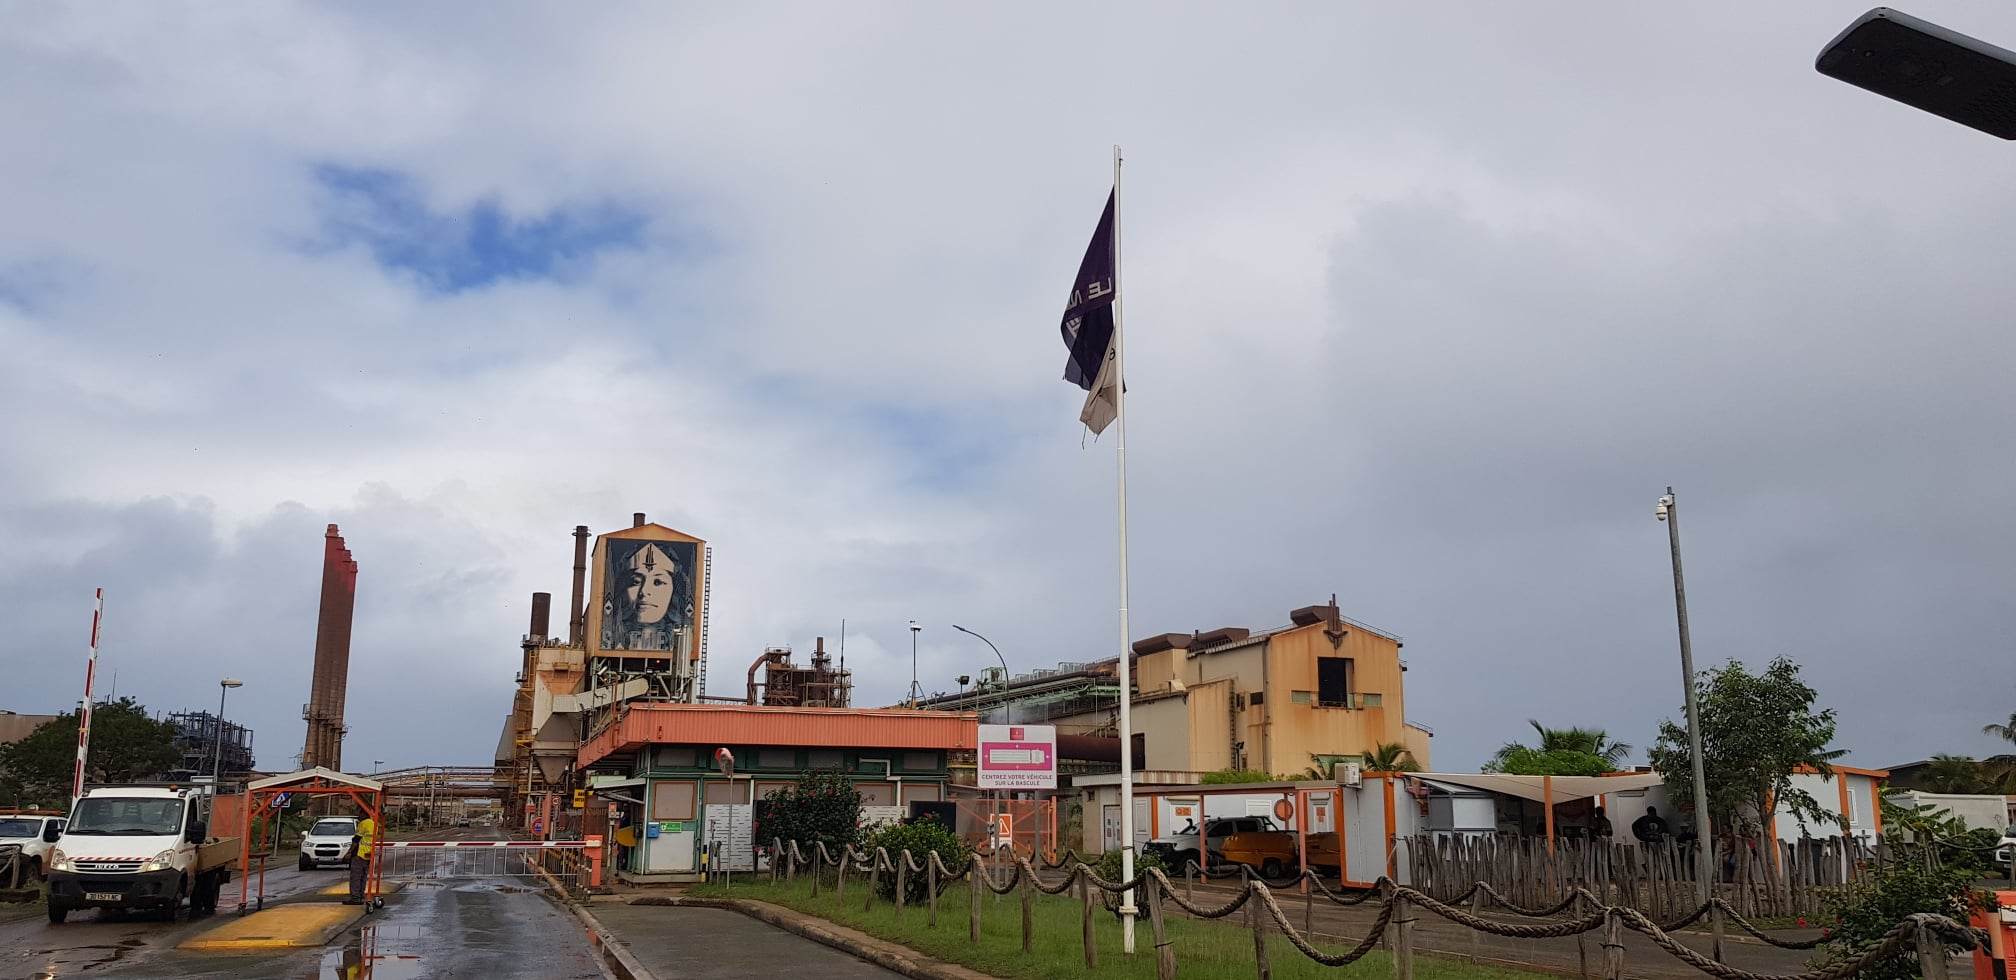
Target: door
(1141, 808)
(673, 812)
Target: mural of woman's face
(649, 584)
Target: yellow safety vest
(366, 831)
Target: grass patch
(1219, 948)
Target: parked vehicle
(327, 843)
(34, 832)
(1184, 845)
(142, 848)
(2004, 847)
(1270, 852)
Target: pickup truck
(33, 833)
(139, 848)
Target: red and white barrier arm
(558, 844)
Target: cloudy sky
(1426, 308)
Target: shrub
(1108, 869)
(1973, 850)
(921, 837)
(1900, 890)
(823, 806)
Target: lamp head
(230, 682)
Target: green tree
(1957, 774)
(1756, 731)
(823, 806)
(1583, 741)
(1518, 760)
(920, 838)
(1901, 889)
(126, 746)
(1391, 757)
(1227, 776)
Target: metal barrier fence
(571, 862)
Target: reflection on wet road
(467, 928)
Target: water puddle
(386, 951)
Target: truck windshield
(20, 828)
(112, 817)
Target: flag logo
(1088, 327)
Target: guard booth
(265, 802)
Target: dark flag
(1088, 327)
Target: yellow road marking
(342, 889)
(280, 927)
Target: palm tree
(2006, 732)
(1391, 757)
(1953, 774)
(1594, 741)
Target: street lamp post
(1927, 67)
(990, 646)
(1704, 837)
(217, 765)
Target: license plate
(102, 896)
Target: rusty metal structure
(331, 679)
(787, 685)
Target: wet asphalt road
(504, 927)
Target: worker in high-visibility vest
(360, 859)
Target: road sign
(580, 799)
(1018, 757)
(280, 799)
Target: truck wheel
(57, 912)
(34, 871)
(305, 864)
(1271, 868)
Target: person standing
(360, 859)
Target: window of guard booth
(672, 800)
(777, 758)
(673, 757)
(920, 762)
(727, 792)
(927, 792)
(877, 794)
(825, 759)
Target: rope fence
(1398, 909)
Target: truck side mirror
(197, 832)
(51, 831)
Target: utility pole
(914, 689)
(223, 687)
(1704, 836)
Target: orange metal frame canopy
(259, 799)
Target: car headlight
(58, 861)
(160, 862)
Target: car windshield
(20, 828)
(125, 817)
(333, 828)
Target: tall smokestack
(576, 625)
(542, 614)
(637, 519)
(330, 681)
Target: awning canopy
(309, 775)
(1540, 789)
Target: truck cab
(138, 848)
(34, 832)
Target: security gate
(573, 864)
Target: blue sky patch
(452, 251)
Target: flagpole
(1126, 669)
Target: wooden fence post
(818, 868)
(1613, 947)
(1476, 937)
(1165, 955)
(874, 875)
(1091, 944)
(1308, 902)
(931, 884)
(1028, 909)
(902, 881)
(1403, 938)
(1581, 944)
(840, 883)
(974, 870)
(1190, 881)
(1931, 955)
(1253, 922)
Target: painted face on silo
(650, 584)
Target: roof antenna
(843, 644)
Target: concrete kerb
(860, 945)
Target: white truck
(31, 834)
(140, 848)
